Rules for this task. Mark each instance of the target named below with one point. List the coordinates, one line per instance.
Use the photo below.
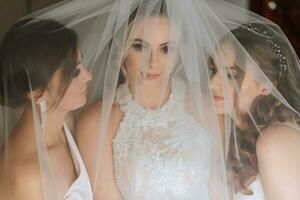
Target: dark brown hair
(35, 49)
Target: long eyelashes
(213, 70)
(231, 75)
(139, 47)
(165, 49)
(76, 73)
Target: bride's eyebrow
(138, 40)
(166, 43)
(211, 61)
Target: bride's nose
(153, 62)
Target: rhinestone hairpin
(276, 47)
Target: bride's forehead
(152, 28)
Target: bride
(153, 148)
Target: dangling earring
(43, 108)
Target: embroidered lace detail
(162, 153)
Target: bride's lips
(150, 76)
(218, 98)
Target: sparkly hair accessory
(276, 47)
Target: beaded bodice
(162, 153)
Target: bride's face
(152, 53)
(226, 77)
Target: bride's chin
(153, 83)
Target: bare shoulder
(89, 121)
(20, 172)
(88, 132)
(278, 137)
(21, 178)
(278, 140)
(278, 159)
(28, 179)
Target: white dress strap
(256, 188)
(81, 187)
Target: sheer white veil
(198, 30)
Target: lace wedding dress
(162, 153)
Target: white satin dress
(256, 188)
(80, 189)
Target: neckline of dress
(127, 103)
(76, 161)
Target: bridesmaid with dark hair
(40, 65)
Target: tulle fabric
(197, 30)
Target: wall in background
(11, 10)
(242, 3)
(286, 13)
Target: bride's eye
(212, 70)
(139, 47)
(169, 48)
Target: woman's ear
(264, 90)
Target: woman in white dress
(40, 68)
(259, 92)
(154, 149)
